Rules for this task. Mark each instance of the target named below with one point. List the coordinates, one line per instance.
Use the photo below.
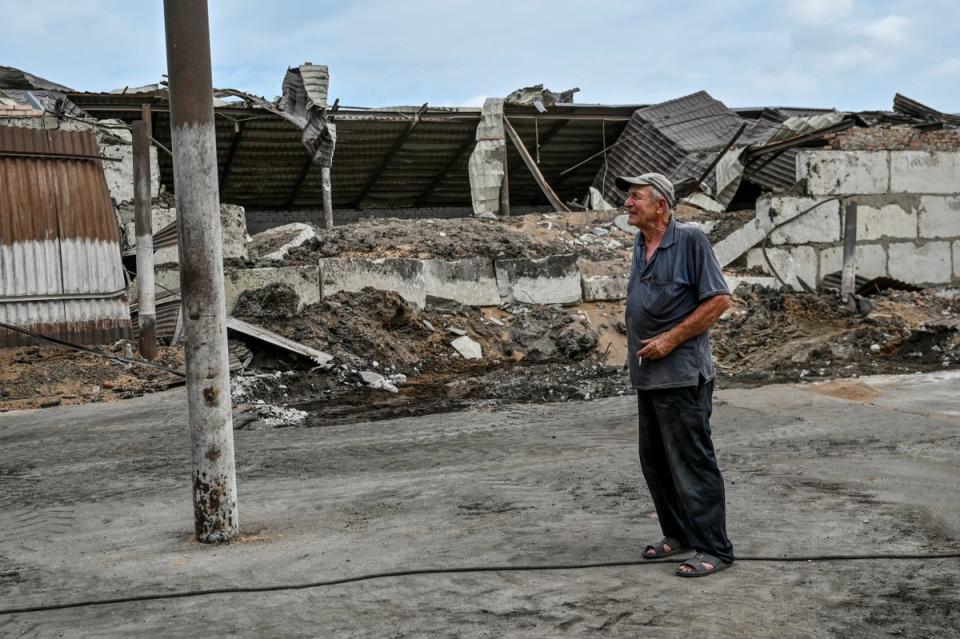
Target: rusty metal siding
(60, 269)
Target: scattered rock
(467, 347)
(370, 378)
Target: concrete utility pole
(146, 285)
(327, 197)
(201, 269)
(848, 276)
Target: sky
(845, 54)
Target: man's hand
(696, 323)
(657, 347)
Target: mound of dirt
(44, 376)
(526, 236)
(772, 336)
(377, 326)
(550, 333)
(268, 303)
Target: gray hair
(656, 196)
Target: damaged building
(487, 211)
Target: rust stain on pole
(201, 269)
(146, 285)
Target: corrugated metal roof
(677, 138)
(681, 137)
(908, 106)
(60, 269)
(268, 167)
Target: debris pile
(773, 336)
(44, 376)
(392, 359)
(591, 234)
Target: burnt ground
(530, 354)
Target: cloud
(853, 57)
(950, 66)
(817, 12)
(475, 101)
(778, 85)
(888, 31)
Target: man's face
(642, 209)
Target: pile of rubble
(775, 336)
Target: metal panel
(60, 269)
(429, 171)
(680, 139)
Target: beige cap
(660, 182)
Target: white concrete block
(821, 224)
(274, 244)
(603, 288)
(550, 280)
(304, 280)
(119, 175)
(166, 279)
(233, 234)
(796, 262)
(733, 281)
(775, 210)
(403, 276)
(737, 243)
(871, 260)
(956, 260)
(939, 216)
(233, 230)
(926, 264)
(706, 225)
(844, 172)
(471, 281)
(621, 223)
(925, 172)
(468, 348)
(890, 220)
(160, 217)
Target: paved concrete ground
(95, 503)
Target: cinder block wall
(908, 216)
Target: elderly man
(676, 293)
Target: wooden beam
(552, 197)
(397, 145)
(505, 185)
(468, 144)
(231, 153)
(549, 135)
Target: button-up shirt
(681, 274)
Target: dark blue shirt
(681, 274)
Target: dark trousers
(680, 467)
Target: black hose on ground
(452, 571)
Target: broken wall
(486, 166)
(908, 217)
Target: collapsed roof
(417, 156)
